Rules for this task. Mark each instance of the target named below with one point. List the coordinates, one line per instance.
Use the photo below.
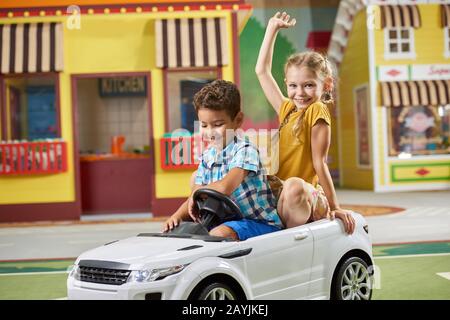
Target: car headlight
(153, 274)
(74, 271)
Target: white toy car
(313, 261)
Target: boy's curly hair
(219, 95)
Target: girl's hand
(346, 217)
(281, 20)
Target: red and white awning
(191, 42)
(415, 93)
(31, 47)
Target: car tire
(353, 281)
(216, 291)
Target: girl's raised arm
(263, 67)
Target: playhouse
(393, 60)
(90, 97)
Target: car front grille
(103, 275)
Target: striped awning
(415, 93)
(407, 16)
(445, 15)
(31, 47)
(191, 42)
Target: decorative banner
(362, 126)
(123, 87)
(430, 72)
(393, 73)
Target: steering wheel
(216, 208)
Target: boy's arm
(229, 183)
(320, 143)
(226, 186)
(263, 67)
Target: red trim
(318, 39)
(25, 158)
(74, 78)
(39, 212)
(166, 207)
(3, 120)
(115, 9)
(193, 143)
(218, 70)
(236, 55)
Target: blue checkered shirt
(253, 196)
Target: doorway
(113, 142)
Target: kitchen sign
(123, 87)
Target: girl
(304, 131)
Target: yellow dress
(295, 155)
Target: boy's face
(216, 126)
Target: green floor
(401, 276)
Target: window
(399, 43)
(421, 130)
(30, 108)
(180, 87)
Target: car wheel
(353, 281)
(217, 291)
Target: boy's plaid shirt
(253, 196)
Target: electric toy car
(317, 260)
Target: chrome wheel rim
(356, 282)
(219, 294)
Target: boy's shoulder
(244, 143)
(241, 147)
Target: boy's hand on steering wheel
(193, 210)
(171, 223)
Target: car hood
(148, 251)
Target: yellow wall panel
(428, 39)
(353, 72)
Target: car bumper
(78, 290)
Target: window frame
(394, 154)
(388, 55)
(166, 73)
(4, 134)
(446, 42)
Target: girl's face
(303, 86)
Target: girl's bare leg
(295, 203)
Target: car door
(279, 264)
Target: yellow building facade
(110, 55)
(393, 94)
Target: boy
(229, 165)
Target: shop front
(393, 94)
(91, 97)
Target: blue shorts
(247, 228)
